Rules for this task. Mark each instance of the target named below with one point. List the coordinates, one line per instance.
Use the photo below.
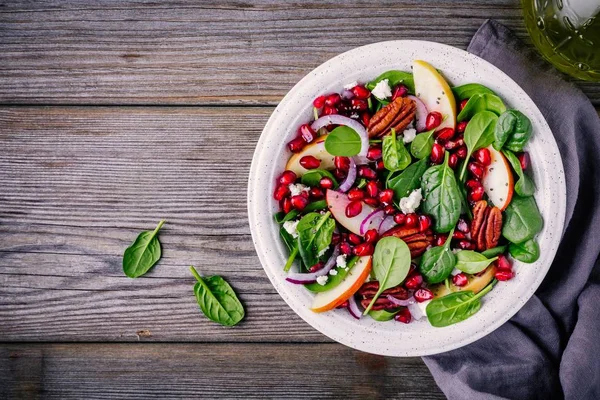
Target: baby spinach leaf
(481, 102)
(395, 156)
(469, 90)
(522, 220)
(217, 300)
(291, 258)
(494, 251)
(343, 141)
(421, 147)
(442, 196)
(524, 186)
(455, 307)
(314, 236)
(438, 262)
(333, 280)
(528, 251)
(513, 131)
(383, 315)
(394, 78)
(478, 133)
(391, 263)
(143, 253)
(471, 262)
(408, 180)
(314, 176)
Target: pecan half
(493, 228)
(398, 115)
(401, 232)
(380, 304)
(368, 289)
(486, 226)
(418, 248)
(479, 210)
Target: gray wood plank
(225, 52)
(259, 371)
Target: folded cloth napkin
(551, 348)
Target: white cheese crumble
(340, 261)
(322, 251)
(350, 85)
(382, 90)
(333, 271)
(412, 202)
(297, 188)
(322, 280)
(409, 135)
(291, 227)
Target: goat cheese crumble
(291, 227)
(333, 272)
(322, 251)
(382, 90)
(322, 280)
(340, 261)
(297, 188)
(412, 202)
(409, 135)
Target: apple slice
(315, 149)
(498, 180)
(337, 202)
(325, 301)
(476, 283)
(435, 92)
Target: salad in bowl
(404, 198)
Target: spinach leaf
(383, 315)
(391, 263)
(455, 307)
(143, 253)
(522, 220)
(395, 156)
(478, 133)
(471, 262)
(421, 147)
(481, 102)
(408, 180)
(217, 300)
(314, 206)
(442, 196)
(333, 280)
(512, 131)
(313, 177)
(528, 251)
(469, 90)
(494, 251)
(343, 141)
(288, 239)
(438, 262)
(524, 185)
(394, 78)
(291, 258)
(314, 236)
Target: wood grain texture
(259, 371)
(225, 52)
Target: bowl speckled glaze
(363, 64)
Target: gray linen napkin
(551, 347)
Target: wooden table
(117, 114)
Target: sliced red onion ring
(350, 123)
(387, 224)
(301, 278)
(416, 311)
(347, 94)
(400, 303)
(371, 221)
(350, 178)
(421, 113)
(353, 308)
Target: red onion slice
(301, 278)
(373, 220)
(421, 113)
(353, 308)
(350, 178)
(387, 224)
(347, 94)
(350, 123)
(400, 303)
(415, 311)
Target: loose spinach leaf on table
(422, 145)
(343, 141)
(528, 251)
(391, 263)
(455, 307)
(314, 235)
(143, 253)
(471, 262)
(524, 186)
(217, 300)
(481, 102)
(313, 177)
(522, 220)
(438, 262)
(494, 251)
(442, 197)
(469, 90)
(408, 180)
(395, 156)
(478, 134)
(512, 131)
(394, 78)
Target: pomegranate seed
(399, 91)
(339, 173)
(424, 223)
(441, 239)
(342, 163)
(359, 105)
(371, 236)
(332, 99)
(372, 202)
(296, 145)
(326, 182)
(379, 165)
(329, 110)
(319, 101)
(389, 209)
(403, 316)
(316, 267)
(372, 189)
(364, 249)
(336, 238)
(461, 126)
(310, 162)
(299, 202)
(423, 294)
(433, 120)
(476, 169)
(476, 194)
(305, 193)
(360, 92)
(353, 209)
(307, 133)
(412, 220)
(386, 196)
(463, 226)
(354, 238)
(463, 103)
(466, 245)
(460, 280)
(413, 281)
(458, 235)
(483, 157)
(343, 305)
(287, 177)
(437, 154)
(366, 172)
(316, 193)
(365, 118)
(355, 194)
(503, 264)
(503, 275)
(472, 184)
(400, 218)
(280, 192)
(374, 153)
(461, 152)
(524, 159)
(345, 248)
(453, 161)
(343, 108)
(286, 205)
(445, 134)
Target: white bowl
(363, 64)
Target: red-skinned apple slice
(435, 93)
(337, 202)
(315, 149)
(475, 283)
(498, 180)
